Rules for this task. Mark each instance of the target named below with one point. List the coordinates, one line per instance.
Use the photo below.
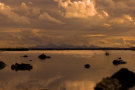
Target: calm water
(64, 71)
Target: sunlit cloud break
(78, 9)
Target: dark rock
(87, 66)
(2, 65)
(119, 58)
(108, 84)
(25, 56)
(21, 67)
(118, 62)
(30, 60)
(121, 80)
(126, 78)
(107, 54)
(43, 56)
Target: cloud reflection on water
(77, 85)
(64, 71)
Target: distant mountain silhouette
(52, 46)
(63, 46)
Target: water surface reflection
(64, 71)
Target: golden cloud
(7, 11)
(46, 16)
(95, 35)
(79, 9)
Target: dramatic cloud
(31, 11)
(78, 9)
(67, 23)
(123, 19)
(46, 16)
(7, 11)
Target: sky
(67, 23)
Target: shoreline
(30, 49)
(67, 49)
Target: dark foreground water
(63, 71)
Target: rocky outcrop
(121, 80)
(21, 67)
